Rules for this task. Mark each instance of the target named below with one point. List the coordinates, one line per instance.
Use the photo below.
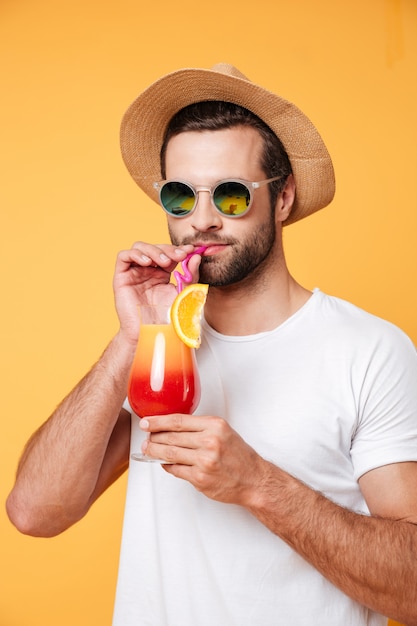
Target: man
(290, 497)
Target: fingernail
(144, 424)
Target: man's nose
(205, 215)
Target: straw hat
(144, 123)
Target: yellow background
(69, 70)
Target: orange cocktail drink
(164, 377)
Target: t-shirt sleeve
(387, 405)
(127, 406)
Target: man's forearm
(372, 560)
(77, 452)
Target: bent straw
(186, 278)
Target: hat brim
(144, 123)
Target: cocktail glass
(164, 377)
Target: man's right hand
(142, 276)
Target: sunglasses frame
(251, 186)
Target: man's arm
(83, 447)
(372, 559)
(78, 452)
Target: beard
(248, 255)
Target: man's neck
(250, 308)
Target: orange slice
(186, 313)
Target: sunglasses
(232, 198)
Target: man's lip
(211, 248)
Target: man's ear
(285, 200)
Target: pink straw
(186, 278)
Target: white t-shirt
(328, 395)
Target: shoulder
(337, 313)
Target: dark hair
(216, 115)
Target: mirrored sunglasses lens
(177, 198)
(232, 198)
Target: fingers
(177, 437)
(189, 441)
(147, 265)
(170, 454)
(176, 422)
(150, 255)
